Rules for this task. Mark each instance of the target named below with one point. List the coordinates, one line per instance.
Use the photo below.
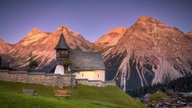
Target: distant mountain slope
(4, 47)
(148, 53)
(111, 38)
(189, 35)
(40, 46)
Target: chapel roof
(86, 61)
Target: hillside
(83, 96)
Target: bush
(158, 96)
(32, 65)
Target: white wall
(59, 70)
(91, 75)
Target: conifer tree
(32, 63)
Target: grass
(11, 96)
(158, 96)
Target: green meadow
(11, 96)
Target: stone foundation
(38, 78)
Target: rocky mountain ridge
(4, 47)
(149, 52)
(40, 46)
(113, 35)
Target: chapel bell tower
(62, 55)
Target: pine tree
(32, 63)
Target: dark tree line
(183, 84)
(32, 64)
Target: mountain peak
(148, 22)
(147, 19)
(1, 41)
(35, 31)
(62, 27)
(112, 37)
(4, 47)
(117, 30)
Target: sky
(90, 18)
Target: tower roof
(62, 43)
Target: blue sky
(91, 18)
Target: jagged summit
(149, 20)
(112, 37)
(63, 28)
(2, 41)
(4, 47)
(31, 37)
(117, 30)
(35, 31)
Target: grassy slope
(11, 96)
(158, 96)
